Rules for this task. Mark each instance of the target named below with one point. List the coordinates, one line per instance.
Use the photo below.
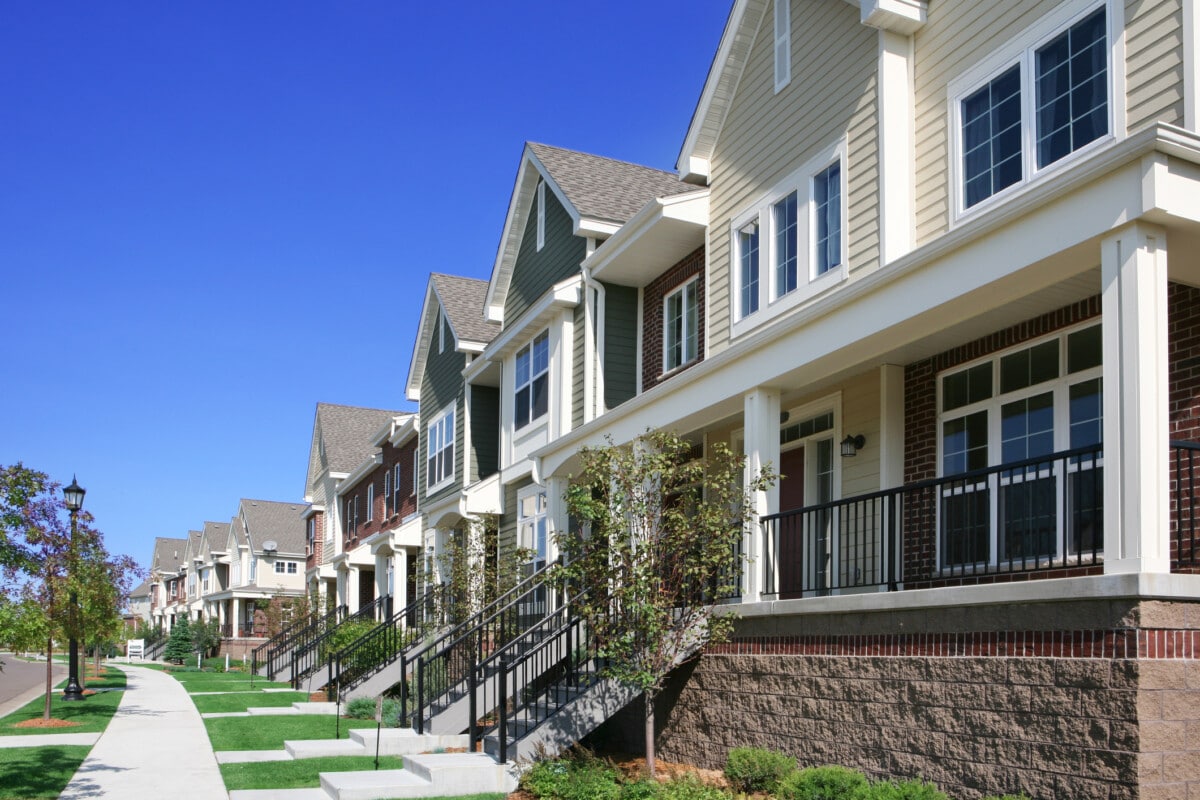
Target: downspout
(593, 348)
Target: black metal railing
(153, 652)
(1185, 502)
(1041, 513)
(440, 667)
(297, 634)
(314, 653)
(385, 643)
(524, 682)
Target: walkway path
(155, 743)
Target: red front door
(790, 532)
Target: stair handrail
(469, 633)
(563, 629)
(287, 639)
(392, 636)
(306, 650)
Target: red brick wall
(382, 519)
(652, 316)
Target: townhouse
(165, 561)
(949, 296)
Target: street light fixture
(73, 497)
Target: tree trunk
(49, 676)
(649, 698)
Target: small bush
(360, 708)
(904, 790)
(689, 787)
(567, 780)
(823, 783)
(640, 790)
(755, 769)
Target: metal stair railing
(382, 645)
(312, 655)
(297, 634)
(441, 667)
(153, 652)
(523, 682)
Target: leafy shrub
(588, 779)
(823, 783)
(639, 790)
(904, 790)
(689, 787)
(755, 769)
(360, 708)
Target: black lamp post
(73, 497)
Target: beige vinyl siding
(860, 414)
(1153, 62)
(767, 136)
(577, 366)
(957, 36)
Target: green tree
(662, 524)
(18, 486)
(206, 635)
(179, 645)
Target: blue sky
(214, 215)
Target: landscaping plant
(824, 783)
(756, 769)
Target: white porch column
(556, 511)
(352, 576)
(761, 418)
(400, 579)
(236, 609)
(1136, 512)
(221, 614)
(891, 426)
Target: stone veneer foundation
(1103, 706)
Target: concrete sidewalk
(155, 743)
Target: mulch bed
(46, 723)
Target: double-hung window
(680, 328)
(371, 501)
(1042, 104)
(797, 230)
(1019, 438)
(440, 450)
(532, 531)
(396, 488)
(532, 380)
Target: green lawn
(223, 682)
(38, 772)
(300, 774)
(208, 703)
(92, 713)
(269, 733)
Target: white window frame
(686, 358)
(782, 13)
(371, 501)
(397, 474)
(445, 418)
(280, 567)
(528, 350)
(416, 469)
(1059, 387)
(761, 213)
(387, 491)
(1020, 51)
(541, 215)
(525, 524)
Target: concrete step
(248, 756)
(429, 775)
(316, 708)
(406, 741)
(321, 748)
(373, 784)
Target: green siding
(620, 344)
(534, 271)
(506, 540)
(485, 431)
(577, 362)
(440, 385)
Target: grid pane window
(784, 221)
(991, 137)
(532, 380)
(532, 526)
(827, 199)
(964, 443)
(440, 450)
(1027, 428)
(1071, 76)
(748, 270)
(680, 333)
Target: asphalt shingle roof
(267, 520)
(168, 554)
(347, 432)
(463, 300)
(604, 188)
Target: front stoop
(392, 742)
(428, 775)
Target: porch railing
(277, 651)
(1037, 514)
(312, 655)
(1185, 503)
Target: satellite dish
(270, 546)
